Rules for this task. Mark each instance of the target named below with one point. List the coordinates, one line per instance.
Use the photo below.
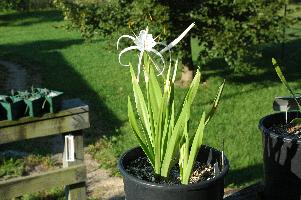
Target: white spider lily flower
(178, 39)
(143, 42)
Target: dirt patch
(101, 185)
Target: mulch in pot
(142, 169)
(287, 130)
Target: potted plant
(12, 107)
(171, 162)
(53, 99)
(282, 146)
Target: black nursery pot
(282, 160)
(12, 110)
(54, 103)
(136, 189)
(35, 106)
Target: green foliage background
(226, 29)
(24, 5)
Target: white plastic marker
(286, 115)
(216, 170)
(69, 146)
(223, 161)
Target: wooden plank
(19, 186)
(69, 107)
(41, 128)
(76, 191)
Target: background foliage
(24, 5)
(226, 29)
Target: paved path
(17, 76)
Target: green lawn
(91, 71)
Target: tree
(225, 29)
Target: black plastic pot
(282, 160)
(35, 106)
(136, 189)
(53, 103)
(12, 110)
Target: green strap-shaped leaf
(170, 115)
(215, 103)
(154, 94)
(281, 76)
(196, 144)
(184, 152)
(160, 122)
(174, 140)
(142, 139)
(168, 126)
(283, 80)
(141, 105)
(154, 90)
(296, 121)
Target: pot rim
(193, 186)
(266, 131)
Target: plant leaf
(281, 76)
(176, 137)
(296, 121)
(161, 122)
(215, 103)
(196, 144)
(283, 80)
(142, 139)
(141, 105)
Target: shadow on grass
(245, 175)
(32, 17)
(57, 74)
(264, 73)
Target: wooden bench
(73, 118)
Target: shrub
(109, 17)
(231, 30)
(24, 5)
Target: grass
(91, 72)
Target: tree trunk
(188, 69)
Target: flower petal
(163, 44)
(125, 36)
(178, 39)
(139, 64)
(162, 59)
(154, 63)
(126, 50)
(175, 71)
